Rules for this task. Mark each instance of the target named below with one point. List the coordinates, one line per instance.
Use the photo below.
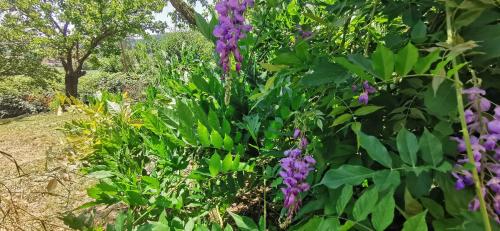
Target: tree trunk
(71, 83)
(185, 10)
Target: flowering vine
(484, 136)
(230, 30)
(367, 89)
(295, 168)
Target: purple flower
(494, 184)
(306, 34)
(474, 205)
(473, 93)
(294, 171)
(296, 133)
(496, 204)
(230, 29)
(354, 88)
(469, 116)
(490, 142)
(303, 143)
(497, 112)
(368, 88)
(494, 126)
(363, 98)
(484, 104)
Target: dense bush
(21, 95)
(345, 116)
(95, 81)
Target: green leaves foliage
(214, 165)
(375, 149)
(216, 139)
(383, 214)
(346, 174)
(324, 72)
(365, 204)
(431, 148)
(406, 58)
(366, 110)
(244, 223)
(443, 102)
(203, 135)
(383, 62)
(408, 146)
(416, 223)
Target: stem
(465, 131)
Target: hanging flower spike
(294, 171)
(483, 143)
(230, 30)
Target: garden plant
(307, 115)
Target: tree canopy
(72, 30)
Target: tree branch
(185, 10)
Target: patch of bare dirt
(38, 181)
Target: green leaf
(375, 149)
(386, 179)
(329, 224)
(346, 174)
(287, 58)
(216, 139)
(406, 58)
(365, 110)
(186, 122)
(383, 214)
(214, 165)
(226, 126)
(443, 102)
(365, 204)
(312, 224)
(359, 71)
(213, 121)
(345, 197)
(227, 163)
(203, 26)
(272, 68)
(236, 163)
(434, 208)
(347, 225)
(419, 32)
(416, 223)
(419, 185)
(383, 62)
(423, 64)
(324, 72)
(342, 119)
(203, 135)
(407, 146)
(228, 143)
(244, 223)
(431, 148)
(412, 206)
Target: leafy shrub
(21, 95)
(376, 90)
(96, 81)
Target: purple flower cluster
(367, 89)
(485, 134)
(230, 29)
(294, 170)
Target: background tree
(72, 30)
